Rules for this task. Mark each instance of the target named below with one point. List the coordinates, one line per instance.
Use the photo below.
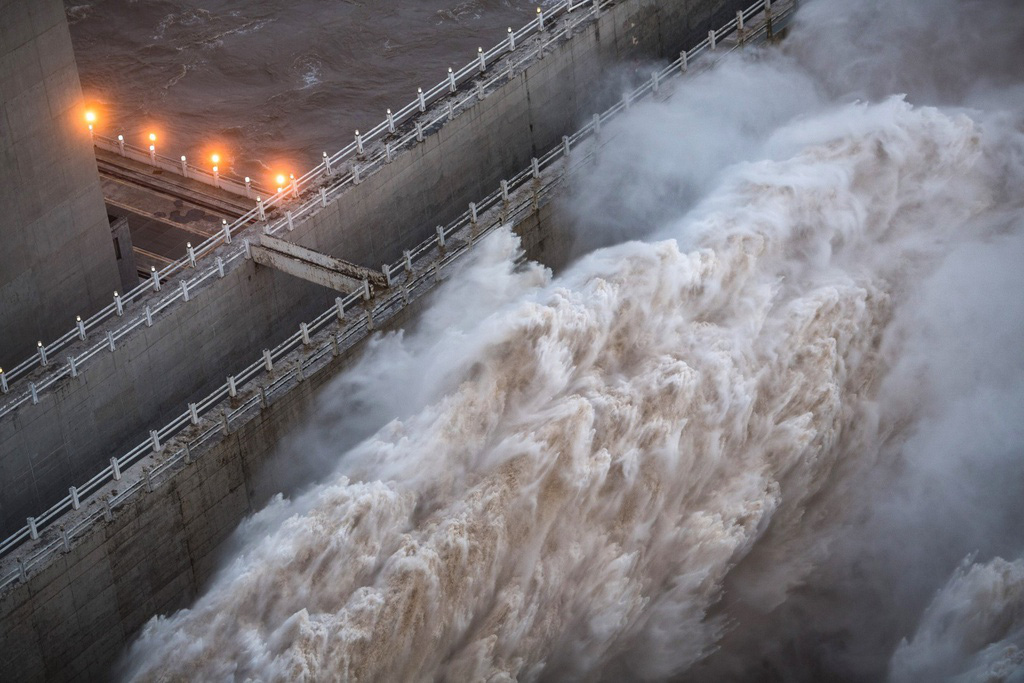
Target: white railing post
(356, 177)
(419, 131)
(120, 144)
(225, 230)
(407, 257)
(3, 382)
(220, 266)
(359, 142)
(118, 306)
(33, 530)
(711, 39)
(739, 20)
(154, 439)
(451, 80)
(42, 353)
(72, 366)
(481, 60)
(35, 394)
(472, 213)
(260, 211)
(323, 197)
(184, 290)
(291, 220)
(511, 39)
(386, 269)
(268, 360)
(540, 19)
(110, 341)
(504, 191)
(184, 167)
(155, 278)
(115, 469)
(421, 100)
(682, 61)
(387, 152)
(152, 154)
(75, 502)
(248, 188)
(191, 254)
(565, 145)
(193, 413)
(535, 168)
(149, 316)
(232, 387)
(440, 236)
(366, 290)
(339, 306)
(327, 164)
(304, 331)
(81, 327)
(391, 122)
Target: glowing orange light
(280, 179)
(215, 158)
(90, 117)
(152, 137)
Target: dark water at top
(270, 84)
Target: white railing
(150, 157)
(326, 174)
(413, 279)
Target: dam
(134, 443)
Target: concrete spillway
(71, 617)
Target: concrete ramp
(313, 266)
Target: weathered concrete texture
(58, 259)
(152, 375)
(72, 620)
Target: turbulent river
(769, 425)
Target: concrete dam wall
(71, 617)
(191, 347)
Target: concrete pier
(58, 256)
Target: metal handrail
(349, 336)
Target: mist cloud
(767, 426)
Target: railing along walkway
(323, 182)
(354, 316)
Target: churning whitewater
(779, 438)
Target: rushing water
(778, 435)
(270, 84)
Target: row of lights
(90, 119)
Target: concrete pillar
(58, 252)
